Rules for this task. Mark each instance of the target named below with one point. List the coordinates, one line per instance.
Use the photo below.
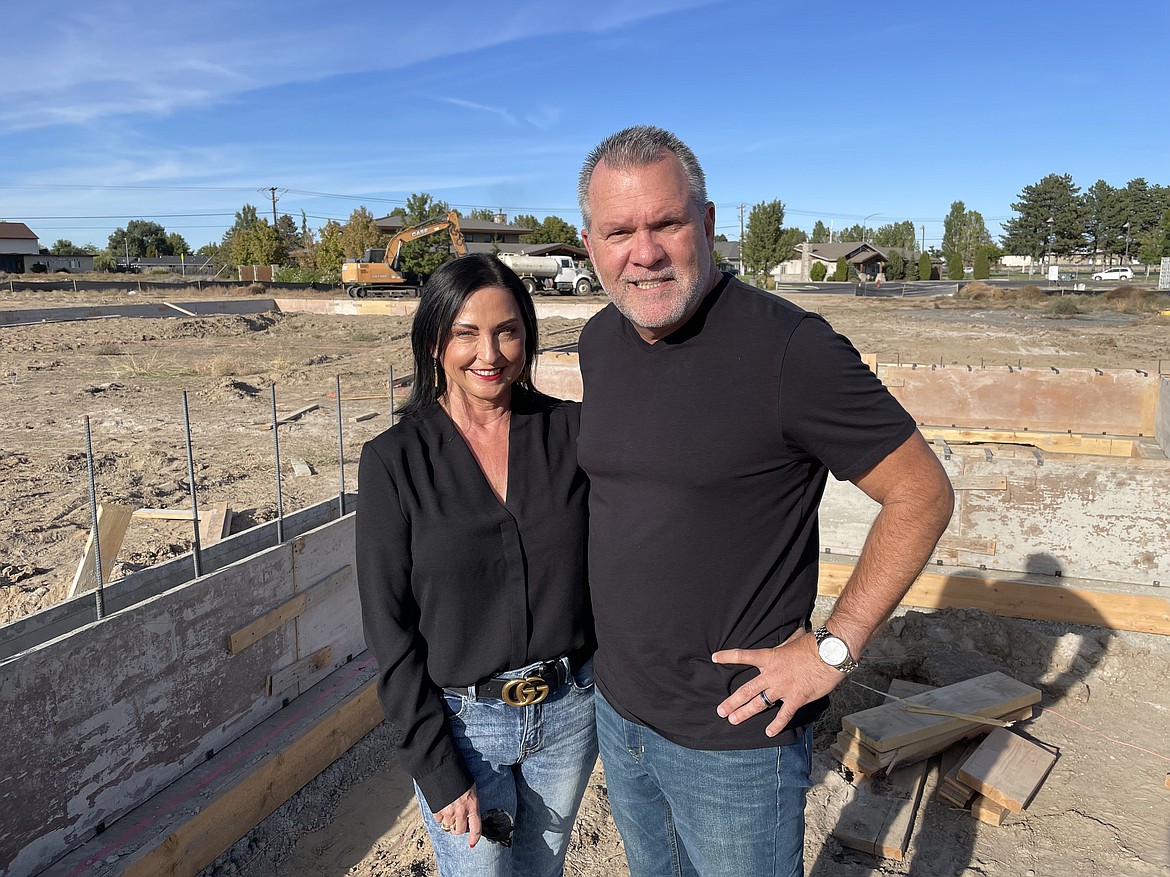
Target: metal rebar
(99, 596)
(391, 395)
(340, 455)
(196, 549)
(276, 457)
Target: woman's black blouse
(456, 587)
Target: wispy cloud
(471, 105)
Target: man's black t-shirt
(707, 454)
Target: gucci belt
(534, 688)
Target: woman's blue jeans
(704, 813)
(534, 762)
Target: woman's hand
(461, 816)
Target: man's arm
(917, 500)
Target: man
(711, 415)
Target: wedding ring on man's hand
(768, 702)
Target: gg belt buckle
(524, 692)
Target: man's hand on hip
(791, 675)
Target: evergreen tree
(982, 265)
(1030, 234)
(841, 272)
(924, 267)
(766, 243)
(954, 267)
(817, 272)
(820, 234)
(896, 234)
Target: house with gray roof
(867, 259)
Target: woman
(471, 530)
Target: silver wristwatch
(834, 651)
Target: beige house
(867, 259)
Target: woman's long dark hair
(440, 302)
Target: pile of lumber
(997, 776)
(910, 729)
(984, 767)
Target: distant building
(867, 259)
(728, 257)
(186, 265)
(20, 250)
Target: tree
(954, 267)
(1154, 245)
(361, 233)
(982, 265)
(420, 258)
(329, 252)
(855, 232)
(924, 267)
(291, 238)
(554, 230)
(841, 271)
(139, 239)
(720, 238)
(817, 272)
(765, 243)
(62, 247)
(820, 234)
(896, 234)
(1104, 219)
(178, 246)
(258, 244)
(895, 266)
(1030, 234)
(964, 232)
(482, 213)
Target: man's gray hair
(639, 146)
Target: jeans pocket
(455, 705)
(582, 679)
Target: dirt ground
(1103, 810)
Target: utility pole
(923, 227)
(741, 209)
(272, 190)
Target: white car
(1120, 273)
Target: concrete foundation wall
(1162, 422)
(1103, 518)
(1114, 401)
(100, 719)
(546, 306)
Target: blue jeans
(704, 813)
(534, 762)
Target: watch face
(833, 651)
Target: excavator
(376, 273)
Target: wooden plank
(299, 671)
(288, 418)
(1052, 442)
(1112, 609)
(987, 811)
(369, 415)
(290, 609)
(1007, 769)
(163, 514)
(300, 467)
(950, 786)
(967, 543)
(113, 521)
(880, 817)
(222, 821)
(888, 727)
(215, 522)
(979, 482)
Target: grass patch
(1063, 306)
(363, 335)
(153, 366)
(224, 366)
(108, 348)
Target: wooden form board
(113, 521)
(889, 727)
(881, 822)
(301, 671)
(1049, 442)
(987, 811)
(218, 824)
(292, 415)
(215, 522)
(250, 633)
(1007, 769)
(1019, 599)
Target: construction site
(184, 682)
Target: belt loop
(471, 698)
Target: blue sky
(181, 112)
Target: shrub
(955, 267)
(841, 272)
(924, 267)
(896, 266)
(817, 272)
(982, 266)
(39, 268)
(1063, 307)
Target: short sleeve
(833, 407)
